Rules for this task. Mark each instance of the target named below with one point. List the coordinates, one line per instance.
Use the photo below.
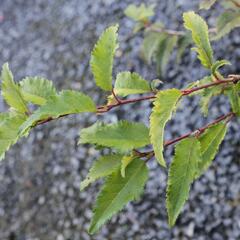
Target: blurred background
(40, 176)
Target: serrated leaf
(118, 191)
(150, 45)
(234, 97)
(67, 102)
(139, 13)
(199, 29)
(122, 135)
(126, 160)
(164, 51)
(103, 167)
(206, 4)
(130, 83)
(181, 174)
(37, 90)
(9, 129)
(11, 92)
(164, 105)
(226, 22)
(219, 64)
(210, 141)
(102, 58)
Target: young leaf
(67, 102)
(102, 58)
(226, 22)
(126, 160)
(9, 128)
(130, 83)
(150, 45)
(103, 167)
(199, 29)
(206, 4)
(11, 92)
(164, 51)
(37, 90)
(118, 191)
(219, 64)
(210, 141)
(139, 13)
(164, 105)
(181, 174)
(122, 135)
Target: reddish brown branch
(104, 109)
(197, 132)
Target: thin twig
(197, 132)
(103, 109)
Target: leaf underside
(118, 191)
(164, 105)
(103, 167)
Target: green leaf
(130, 83)
(206, 4)
(206, 97)
(118, 191)
(9, 128)
(219, 64)
(122, 135)
(210, 141)
(181, 174)
(164, 105)
(37, 90)
(182, 44)
(139, 13)
(164, 51)
(199, 29)
(103, 167)
(67, 102)
(150, 45)
(233, 4)
(126, 160)
(233, 94)
(102, 58)
(11, 92)
(198, 83)
(226, 22)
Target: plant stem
(197, 132)
(103, 109)
(185, 92)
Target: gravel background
(40, 176)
